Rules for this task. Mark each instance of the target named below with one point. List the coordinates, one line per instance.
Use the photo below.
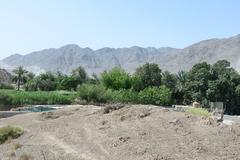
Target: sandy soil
(129, 133)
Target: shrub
(155, 95)
(137, 83)
(9, 132)
(25, 157)
(93, 93)
(5, 99)
(125, 96)
(16, 146)
(116, 79)
(6, 86)
(68, 83)
(199, 111)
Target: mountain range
(68, 57)
(5, 77)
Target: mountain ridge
(71, 56)
(5, 77)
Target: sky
(27, 25)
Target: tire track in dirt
(89, 137)
(68, 149)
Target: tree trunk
(18, 85)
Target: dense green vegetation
(94, 93)
(8, 133)
(6, 86)
(204, 83)
(12, 97)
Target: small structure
(181, 108)
(217, 108)
(196, 105)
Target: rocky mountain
(5, 77)
(68, 57)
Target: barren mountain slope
(5, 77)
(132, 133)
(68, 57)
(209, 51)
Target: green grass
(199, 112)
(38, 97)
(8, 133)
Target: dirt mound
(134, 132)
(54, 115)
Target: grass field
(38, 97)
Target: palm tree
(181, 81)
(20, 76)
(180, 86)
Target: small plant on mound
(9, 132)
(25, 157)
(199, 112)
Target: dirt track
(130, 133)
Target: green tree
(68, 83)
(32, 85)
(137, 83)
(197, 83)
(180, 87)
(155, 95)
(150, 75)
(169, 80)
(44, 82)
(20, 76)
(116, 79)
(80, 75)
(94, 79)
(223, 86)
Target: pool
(38, 108)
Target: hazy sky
(29, 25)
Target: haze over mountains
(68, 57)
(5, 77)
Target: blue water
(38, 109)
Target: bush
(6, 86)
(199, 111)
(9, 132)
(125, 96)
(93, 93)
(155, 95)
(68, 83)
(25, 157)
(5, 99)
(116, 79)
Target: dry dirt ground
(134, 132)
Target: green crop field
(12, 97)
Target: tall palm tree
(181, 81)
(20, 76)
(180, 86)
